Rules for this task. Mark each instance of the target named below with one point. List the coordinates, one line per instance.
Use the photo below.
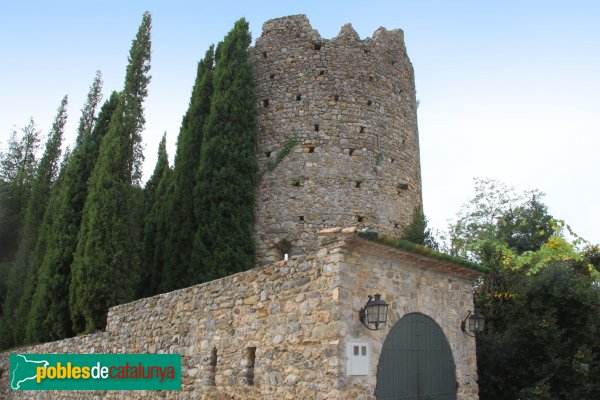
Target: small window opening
(213, 367)
(282, 249)
(298, 97)
(316, 127)
(250, 359)
(301, 218)
(268, 154)
(317, 46)
(396, 225)
(392, 160)
(362, 129)
(309, 149)
(272, 76)
(264, 54)
(357, 184)
(403, 186)
(336, 97)
(322, 72)
(351, 151)
(369, 102)
(361, 218)
(266, 103)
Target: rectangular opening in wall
(264, 54)
(272, 76)
(316, 127)
(298, 97)
(213, 367)
(250, 360)
(317, 46)
(322, 72)
(362, 129)
(266, 103)
(336, 97)
(369, 102)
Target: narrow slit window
(316, 127)
(266, 103)
(264, 54)
(213, 367)
(351, 151)
(393, 63)
(301, 218)
(298, 97)
(250, 360)
(336, 97)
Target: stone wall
(352, 105)
(298, 315)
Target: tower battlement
(351, 105)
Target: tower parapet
(351, 105)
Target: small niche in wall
(250, 360)
(396, 225)
(266, 103)
(282, 249)
(366, 51)
(322, 72)
(316, 127)
(301, 218)
(357, 184)
(402, 187)
(264, 53)
(371, 78)
(369, 102)
(213, 367)
(298, 97)
(351, 152)
(361, 218)
(392, 160)
(336, 97)
(362, 129)
(268, 154)
(309, 149)
(393, 63)
(317, 46)
(272, 76)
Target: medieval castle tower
(351, 104)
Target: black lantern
(476, 323)
(374, 313)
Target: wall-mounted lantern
(476, 323)
(374, 314)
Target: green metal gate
(416, 362)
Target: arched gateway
(416, 362)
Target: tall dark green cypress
(22, 283)
(156, 195)
(49, 317)
(182, 218)
(105, 269)
(227, 176)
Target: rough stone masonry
(281, 330)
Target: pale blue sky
(508, 89)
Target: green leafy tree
(157, 195)
(49, 317)
(105, 269)
(225, 193)
(18, 164)
(417, 231)
(182, 219)
(20, 280)
(545, 343)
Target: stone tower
(351, 105)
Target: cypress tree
(106, 265)
(182, 218)
(156, 193)
(49, 317)
(25, 269)
(227, 175)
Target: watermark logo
(95, 371)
